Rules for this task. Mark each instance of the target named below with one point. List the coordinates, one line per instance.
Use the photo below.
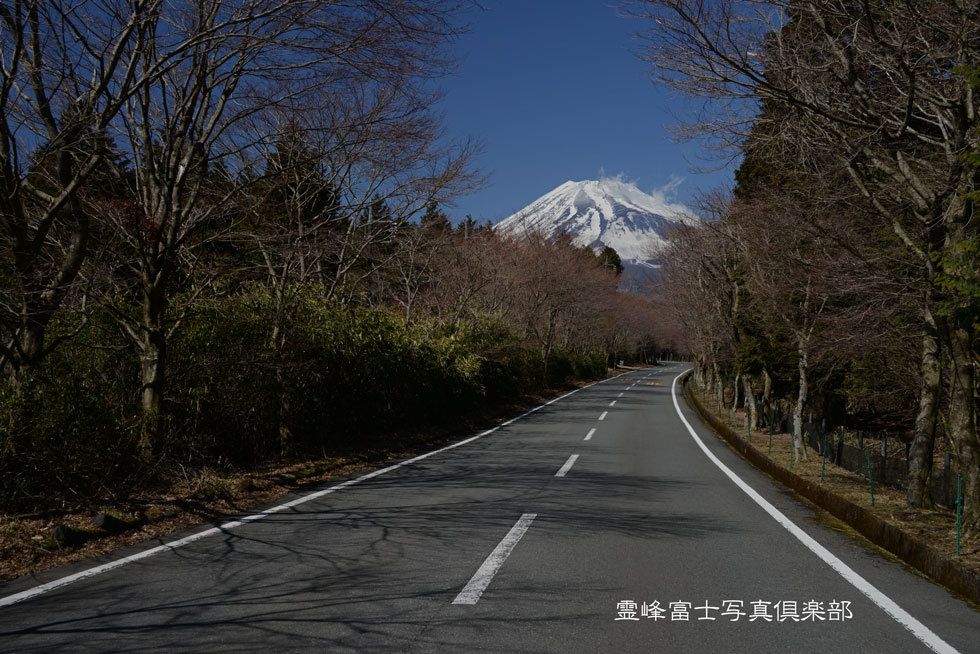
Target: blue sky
(554, 91)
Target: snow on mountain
(600, 213)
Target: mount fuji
(595, 214)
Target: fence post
(770, 437)
(840, 447)
(860, 439)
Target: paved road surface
(550, 534)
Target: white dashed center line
(568, 466)
(474, 588)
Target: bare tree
(878, 89)
(469, 276)
(185, 130)
(66, 69)
(557, 302)
(419, 251)
(692, 289)
(788, 276)
(341, 180)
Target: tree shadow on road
(349, 571)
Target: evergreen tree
(435, 219)
(610, 260)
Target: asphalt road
(596, 523)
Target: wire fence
(885, 457)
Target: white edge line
(900, 615)
(106, 567)
(588, 436)
(485, 573)
(567, 466)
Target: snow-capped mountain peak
(597, 213)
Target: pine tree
(610, 260)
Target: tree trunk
(767, 406)
(27, 344)
(285, 433)
(924, 438)
(750, 402)
(278, 342)
(153, 363)
(40, 298)
(719, 386)
(962, 419)
(799, 448)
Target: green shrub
(342, 377)
(68, 427)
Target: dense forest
(843, 272)
(222, 241)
